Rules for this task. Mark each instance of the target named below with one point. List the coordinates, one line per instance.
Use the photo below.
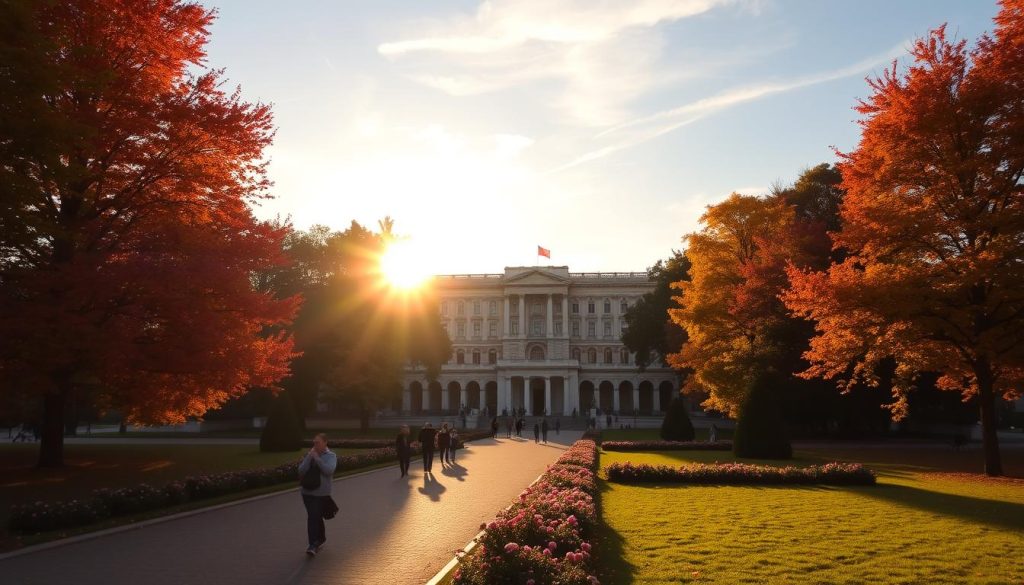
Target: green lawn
(89, 467)
(926, 522)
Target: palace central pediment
(536, 278)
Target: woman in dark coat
(404, 449)
(444, 443)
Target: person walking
(544, 430)
(536, 432)
(494, 428)
(427, 436)
(508, 426)
(558, 425)
(453, 444)
(519, 427)
(713, 433)
(318, 498)
(444, 443)
(404, 450)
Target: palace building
(541, 338)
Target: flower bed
(667, 446)
(107, 503)
(742, 473)
(543, 536)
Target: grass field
(92, 466)
(925, 522)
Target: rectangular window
(476, 308)
(476, 328)
(461, 329)
(575, 308)
(623, 307)
(492, 329)
(492, 357)
(558, 328)
(461, 309)
(513, 327)
(476, 357)
(591, 329)
(575, 328)
(493, 309)
(536, 309)
(590, 308)
(607, 328)
(607, 307)
(538, 327)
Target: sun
(404, 266)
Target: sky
(598, 129)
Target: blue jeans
(315, 519)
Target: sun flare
(404, 266)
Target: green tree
(650, 334)
(676, 426)
(760, 430)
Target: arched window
(576, 353)
(607, 355)
(623, 307)
(536, 353)
(460, 357)
(476, 356)
(607, 306)
(492, 356)
(625, 356)
(592, 356)
(476, 308)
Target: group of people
(516, 424)
(445, 441)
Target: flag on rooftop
(544, 252)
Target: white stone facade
(540, 338)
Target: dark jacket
(443, 439)
(402, 444)
(426, 438)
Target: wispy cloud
(603, 53)
(646, 128)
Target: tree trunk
(51, 448)
(989, 439)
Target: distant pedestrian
(544, 430)
(317, 498)
(427, 436)
(494, 428)
(558, 425)
(536, 432)
(508, 426)
(453, 444)
(519, 427)
(444, 438)
(608, 421)
(713, 433)
(404, 450)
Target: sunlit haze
(599, 130)
(405, 266)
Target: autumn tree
(650, 334)
(127, 242)
(933, 225)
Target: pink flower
(552, 545)
(511, 547)
(585, 546)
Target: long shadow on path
(431, 487)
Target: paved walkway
(390, 530)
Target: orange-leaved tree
(127, 243)
(933, 224)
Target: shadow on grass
(610, 558)
(994, 513)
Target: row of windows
(535, 308)
(590, 356)
(475, 356)
(537, 328)
(592, 328)
(460, 329)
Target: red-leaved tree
(127, 244)
(933, 223)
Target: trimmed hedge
(676, 425)
(543, 536)
(760, 430)
(107, 503)
(667, 446)
(742, 474)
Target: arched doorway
(473, 395)
(666, 392)
(646, 397)
(626, 405)
(606, 400)
(537, 353)
(491, 389)
(415, 397)
(434, 394)
(536, 396)
(454, 395)
(586, 391)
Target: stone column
(551, 319)
(522, 316)
(615, 399)
(464, 398)
(573, 391)
(406, 400)
(426, 397)
(444, 398)
(506, 317)
(483, 398)
(547, 392)
(565, 316)
(526, 394)
(636, 397)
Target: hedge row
(667, 446)
(742, 473)
(543, 536)
(107, 503)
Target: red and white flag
(544, 252)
